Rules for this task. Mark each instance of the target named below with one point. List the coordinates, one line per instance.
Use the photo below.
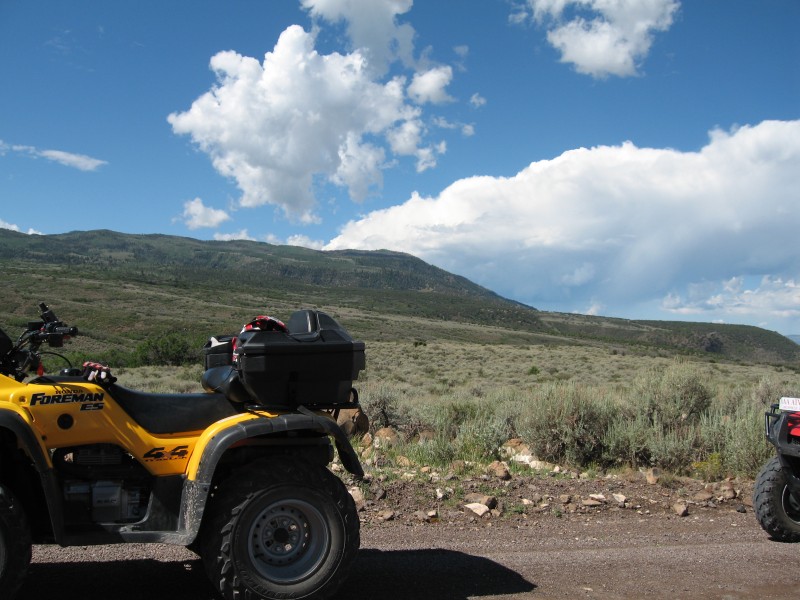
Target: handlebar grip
(65, 330)
(48, 316)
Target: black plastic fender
(26, 438)
(195, 492)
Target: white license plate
(790, 404)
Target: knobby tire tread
(18, 544)
(767, 503)
(232, 497)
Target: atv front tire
(280, 529)
(15, 544)
(777, 509)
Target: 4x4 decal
(161, 453)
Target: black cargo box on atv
(313, 365)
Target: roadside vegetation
(585, 408)
(448, 362)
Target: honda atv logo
(42, 398)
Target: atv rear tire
(280, 529)
(777, 509)
(15, 544)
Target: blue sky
(629, 158)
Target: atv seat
(172, 413)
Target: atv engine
(102, 484)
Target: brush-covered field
(586, 407)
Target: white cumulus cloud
(614, 225)
(236, 235)
(429, 86)
(372, 27)
(603, 37)
(772, 296)
(197, 215)
(12, 227)
(275, 126)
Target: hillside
(121, 288)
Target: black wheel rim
(791, 505)
(288, 541)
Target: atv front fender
(21, 426)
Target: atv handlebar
(24, 356)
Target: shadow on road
(422, 574)
(391, 575)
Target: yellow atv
(238, 474)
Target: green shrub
(567, 423)
(673, 396)
(628, 441)
(381, 403)
(169, 348)
(474, 427)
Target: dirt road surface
(711, 554)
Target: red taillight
(793, 424)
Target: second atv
(776, 499)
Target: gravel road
(712, 554)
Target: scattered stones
(477, 498)
(422, 516)
(358, 497)
(395, 488)
(386, 515)
(499, 470)
(681, 509)
(385, 438)
(652, 475)
(515, 447)
(703, 496)
(477, 508)
(353, 422)
(533, 462)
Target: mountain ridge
(386, 294)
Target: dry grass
(584, 406)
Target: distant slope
(794, 338)
(128, 286)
